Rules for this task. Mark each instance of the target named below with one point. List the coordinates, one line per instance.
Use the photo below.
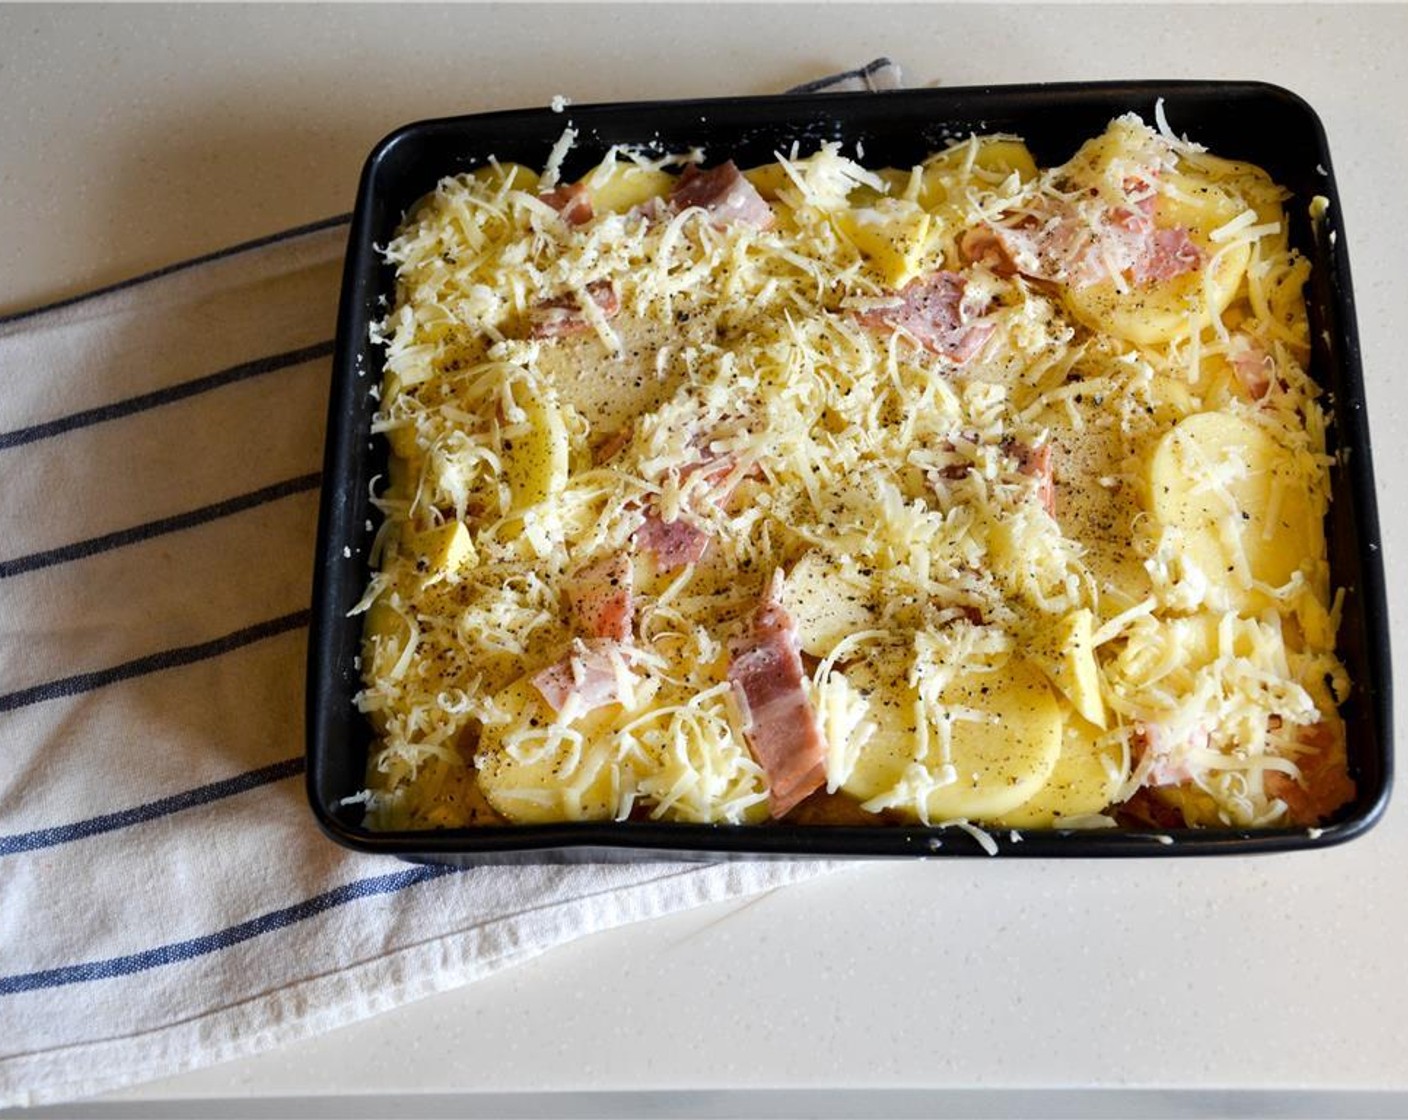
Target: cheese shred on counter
(962, 492)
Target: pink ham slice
(1035, 462)
(679, 542)
(724, 193)
(587, 671)
(615, 443)
(564, 316)
(1054, 248)
(673, 543)
(573, 202)
(981, 245)
(600, 598)
(1055, 244)
(1166, 253)
(766, 671)
(1151, 741)
(1324, 784)
(931, 309)
(1252, 365)
(1146, 809)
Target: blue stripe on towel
(178, 951)
(137, 533)
(171, 393)
(179, 266)
(153, 662)
(187, 799)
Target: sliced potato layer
(1065, 653)
(986, 748)
(536, 452)
(545, 776)
(825, 606)
(1158, 312)
(1084, 781)
(1245, 512)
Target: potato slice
(1005, 738)
(825, 604)
(384, 637)
(891, 235)
(1245, 512)
(440, 551)
(565, 783)
(1089, 450)
(768, 179)
(618, 186)
(1084, 781)
(996, 158)
(403, 476)
(536, 453)
(444, 794)
(1317, 624)
(1104, 162)
(1004, 157)
(1155, 313)
(1065, 653)
(404, 445)
(1165, 310)
(1171, 397)
(827, 176)
(895, 185)
(622, 387)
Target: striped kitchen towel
(166, 900)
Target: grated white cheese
(553, 167)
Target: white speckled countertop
(136, 136)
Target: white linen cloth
(166, 900)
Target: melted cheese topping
(938, 512)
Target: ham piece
(564, 316)
(724, 193)
(674, 543)
(1164, 254)
(766, 671)
(1325, 783)
(1146, 809)
(1151, 742)
(1323, 787)
(573, 202)
(679, 542)
(615, 443)
(599, 597)
(588, 672)
(1057, 243)
(1251, 363)
(1035, 462)
(931, 309)
(981, 245)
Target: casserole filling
(967, 492)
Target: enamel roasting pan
(1261, 123)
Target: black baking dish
(1251, 121)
